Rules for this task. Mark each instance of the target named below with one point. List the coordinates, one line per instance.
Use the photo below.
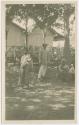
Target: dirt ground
(48, 100)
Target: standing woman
(26, 67)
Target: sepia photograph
(40, 61)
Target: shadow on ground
(50, 100)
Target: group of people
(26, 67)
(65, 72)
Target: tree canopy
(45, 16)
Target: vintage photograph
(40, 61)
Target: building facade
(15, 35)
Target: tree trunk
(44, 36)
(67, 50)
(26, 40)
(7, 31)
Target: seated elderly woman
(63, 71)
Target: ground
(49, 100)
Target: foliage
(45, 16)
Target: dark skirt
(25, 75)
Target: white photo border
(3, 63)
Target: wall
(15, 36)
(36, 37)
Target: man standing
(43, 61)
